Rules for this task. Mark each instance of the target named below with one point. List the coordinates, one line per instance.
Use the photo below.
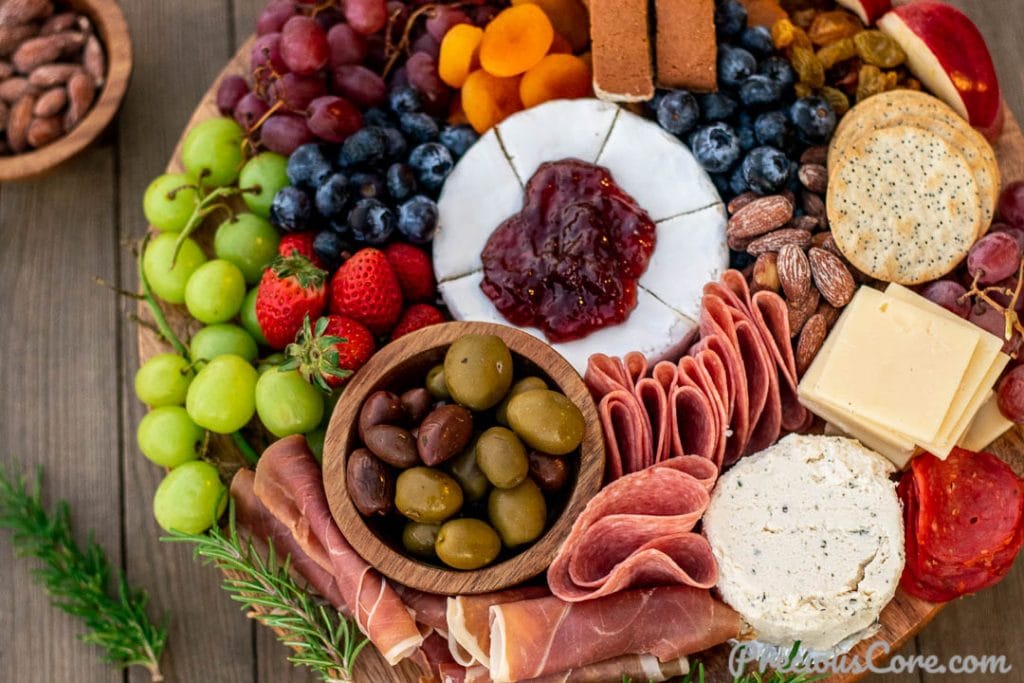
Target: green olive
(424, 494)
(419, 539)
(436, 384)
(470, 477)
(478, 370)
(467, 544)
(502, 457)
(546, 420)
(519, 514)
(525, 384)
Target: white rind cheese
(808, 535)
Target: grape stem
(250, 454)
(206, 206)
(1008, 312)
(395, 50)
(158, 315)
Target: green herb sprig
(322, 639)
(78, 580)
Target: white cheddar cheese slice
(987, 426)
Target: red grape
(988, 319)
(947, 293)
(366, 16)
(345, 46)
(328, 17)
(297, 91)
(359, 85)
(442, 18)
(1015, 233)
(266, 51)
(333, 118)
(249, 110)
(398, 77)
(303, 45)
(283, 133)
(994, 257)
(1011, 395)
(482, 15)
(229, 92)
(274, 15)
(427, 45)
(422, 71)
(1011, 204)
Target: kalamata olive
(519, 513)
(380, 407)
(502, 457)
(546, 420)
(444, 432)
(424, 494)
(417, 403)
(478, 370)
(369, 482)
(525, 384)
(436, 384)
(419, 539)
(467, 543)
(469, 475)
(393, 445)
(549, 472)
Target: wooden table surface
(69, 355)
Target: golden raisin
(874, 47)
(836, 52)
(870, 81)
(803, 90)
(808, 67)
(837, 99)
(828, 27)
(800, 39)
(783, 33)
(912, 84)
(804, 17)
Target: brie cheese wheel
(659, 172)
(808, 535)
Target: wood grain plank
(58, 407)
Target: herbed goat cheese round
(808, 535)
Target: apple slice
(867, 10)
(947, 52)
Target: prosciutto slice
(627, 667)
(535, 638)
(289, 483)
(469, 620)
(626, 537)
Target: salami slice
(627, 433)
(772, 320)
(652, 396)
(605, 374)
(694, 423)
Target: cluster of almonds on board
(51, 66)
(794, 254)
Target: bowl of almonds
(64, 69)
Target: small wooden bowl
(112, 29)
(404, 363)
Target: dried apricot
(808, 67)
(836, 52)
(555, 77)
(460, 54)
(516, 40)
(560, 46)
(569, 17)
(874, 47)
(828, 27)
(488, 100)
(870, 81)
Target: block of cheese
(621, 50)
(684, 44)
(987, 426)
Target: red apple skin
(868, 10)
(960, 49)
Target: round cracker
(903, 205)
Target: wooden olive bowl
(112, 30)
(404, 363)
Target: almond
(81, 91)
(14, 35)
(815, 155)
(809, 223)
(760, 216)
(45, 49)
(739, 201)
(94, 61)
(812, 336)
(23, 11)
(801, 310)
(777, 239)
(813, 205)
(831, 277)
(18, 122)
(51, 102)
(829, 312)
(794, 272)
(43, 131)
(814, 177)
(766, 272)
(6, 70)
(49, 75)
(65, 21)
(4, 113)
(14, 88)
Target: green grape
(249, 242)
(169, 437)
(270, 362)
(220, 339)
(166, 282)
(215, 292)
(169, 202)
(249, 320)
(163, 380)
(260, 179)
(212, 151)
(222, 396)
(288, 404)
(190, 499)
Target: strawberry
(330, 352)
(291, 288)
(365, 288)
(415, 317)
(301, 242)
(414, 271)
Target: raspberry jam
(568, 263)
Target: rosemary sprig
(323, 640)
(78, 580)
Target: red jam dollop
(568, 263)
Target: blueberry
(401, 182)
(717, 147)
(404, 99)
(332, 196)
(730, 18)
(737, 183)
(779, 70)
(717, 106)
(367, 185)
(375, 116)
(458, 139)
(371, 222)
(740, 259)
(760, 92)
(328, 246)
(766, 170)
(678, 112)
(813, 119)
(432, 163)
(757, 40)
(418, 127)
(772, 128)
(397, 146)
(745, 131)
(417, 219)
(308, 165)
(367, 145)
(735, 65)
(291, 209)
(721, 183)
